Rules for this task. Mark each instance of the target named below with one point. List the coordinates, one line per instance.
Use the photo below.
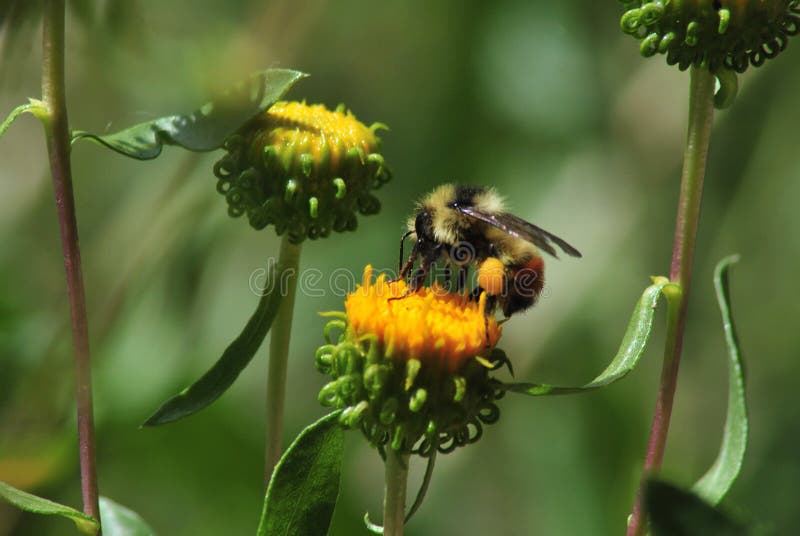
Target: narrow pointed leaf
(38, 505)
(225, 371)
(305, 484)
(676, 512)
(720, 477)
(120, 521)
(206, 128)
(631, 349)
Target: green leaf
(225, 371)
(675, 512)
(631, 349)
(305, 484)
(206, 128)
(37, 505)
(34, 106)
(720, 477)
(120, 521)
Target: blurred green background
(547, 101)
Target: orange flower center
(432, 324)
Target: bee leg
(475, 294)
(448, 274)
(406, 268)
(461, 277)
(418, 276)
(491, 301)
(402, 242)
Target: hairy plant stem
(394, 497)
(701, 111)
(58, 147)
(286, 277)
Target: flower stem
(58, 147)
(394, 498)
(701, 110)
(286, 276)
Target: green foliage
(117, 520)
(675, 512)
(120, 521)
(720, 477)
(37, 505)
(228, 367)
(633, 344)
(305, 484)
(206, 128)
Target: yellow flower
(303, 168)
(411, 369)
(435, 326)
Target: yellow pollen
(313, 129)
(432, 324)
(491, 276)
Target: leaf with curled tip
(720, 477)
(633, 344)
(204, 129)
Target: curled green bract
(719, 34)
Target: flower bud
(720, 34)
(304, 169)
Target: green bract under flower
(408, 369)
(730, 34)
(304, 169)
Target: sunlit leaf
(206, 128)
(717, 481)
(631, 349)
(225, 371)
(305, 484)
(37, 505)
(675, 512)
(120, 521)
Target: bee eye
(491, 276)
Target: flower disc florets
(719, 33)
(411, 370)
(304, 169)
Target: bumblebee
(469, 226)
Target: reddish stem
(701, 110)
(58, 147)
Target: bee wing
(517, 227)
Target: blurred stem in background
(394, 499)
(286, 277)
(701, 110)
(58, 146)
